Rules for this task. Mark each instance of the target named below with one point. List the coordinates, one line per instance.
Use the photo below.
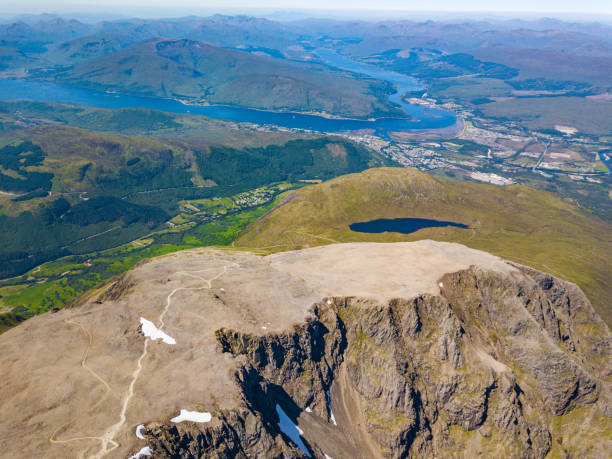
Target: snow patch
(289, 428)
(308, 410)
(329, 408)
(144, 452)
(441, 285)
(139, 432)
(264, 328)
(193, 416)
(328, 302)
(327, 457)
(151, 331)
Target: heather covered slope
(518, 223)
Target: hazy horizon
(592, 10)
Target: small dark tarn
(401, 225)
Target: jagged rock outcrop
(117, 289)
(483, 367)
(239, 434)
(423, 349)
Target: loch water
(401, 225)
(417, 116)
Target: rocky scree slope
(493, 365)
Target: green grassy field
(517, 223)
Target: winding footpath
(107, 440)
(89, 335)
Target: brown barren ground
(76, 383)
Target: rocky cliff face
(515, 365)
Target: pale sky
(181, 7)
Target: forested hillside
(70, 191)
